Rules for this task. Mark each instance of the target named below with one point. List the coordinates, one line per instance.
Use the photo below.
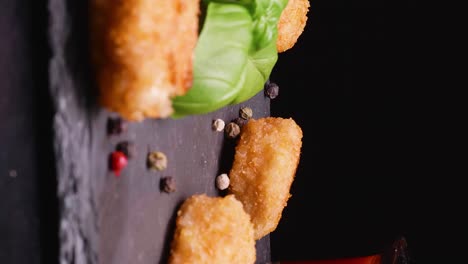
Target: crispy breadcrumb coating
(213, 230)
(265, 162)
(142, 52)
(292, 23)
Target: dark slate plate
(126, 219)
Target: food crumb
(218, 125)
(157, 161)
(222, 181)
(232, 130)
(168, 184)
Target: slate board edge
(77, 223)
(73, 114)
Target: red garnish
(118, 161)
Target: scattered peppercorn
(245, 113)
(222, 181)
(271, 90)
(240, 121)
(115, 126)
(117, 162)
(232, 130)
(168, 185)
(127, 147)
(218, 125)
(157, 161)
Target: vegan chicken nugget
(265, 162)
(142, 51)
(212, 230)
(291, 24)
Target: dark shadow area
(228, 149)
(29, 218)
(169, 234)
(77, 54)
(43, 124)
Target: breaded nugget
(292, 23)
(142, 52)
(212, 230)
(265, 162)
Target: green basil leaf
(234, 56)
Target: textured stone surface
(127, 219)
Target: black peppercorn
(271, 90)
(127, 147)
(240, 121)
(245, 113)
(232, 130)
(115, 126)
(168, 184)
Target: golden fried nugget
(213, 230)
(292, 23)
(142, 52)
(265, 162)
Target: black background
(28, 204)
(370, 87)
(377, 158)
